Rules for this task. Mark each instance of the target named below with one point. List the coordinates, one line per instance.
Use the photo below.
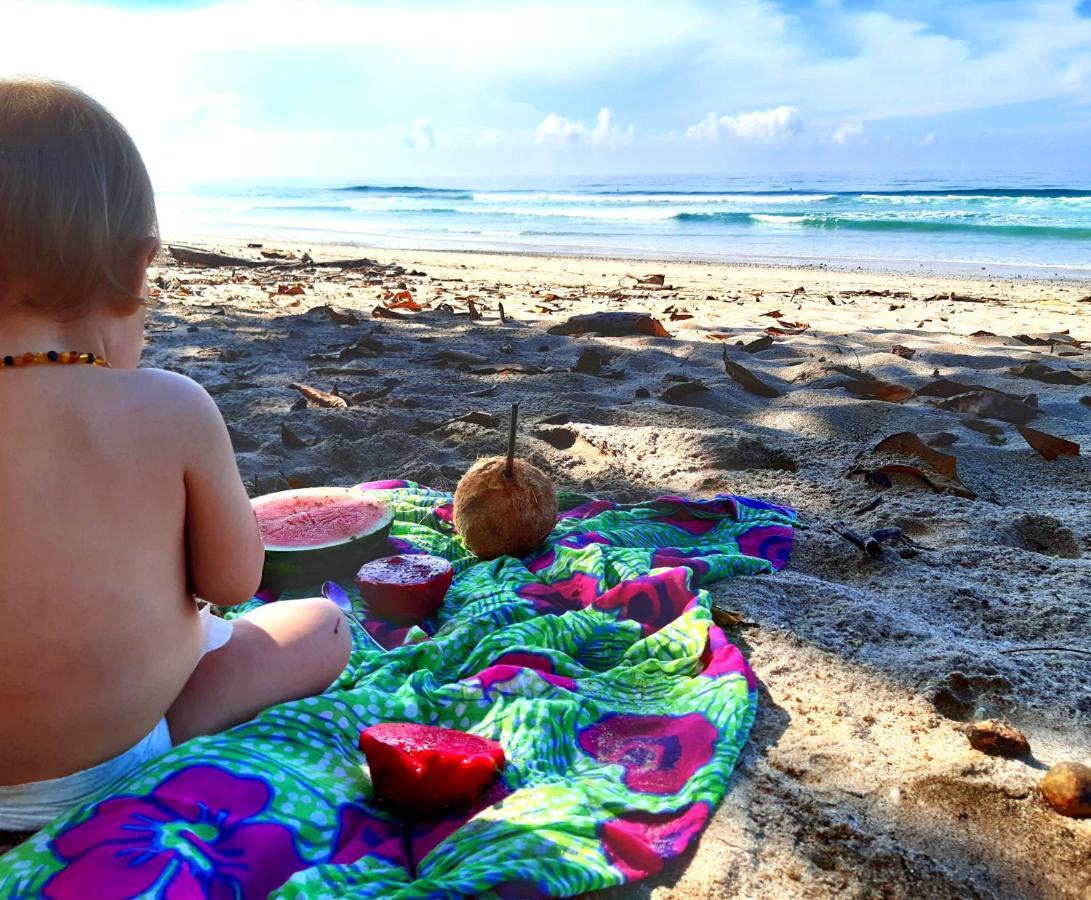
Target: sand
(857, 779)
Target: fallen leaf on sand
(475, 313)
(367, 396)
(1046, 339)
(676, 393)
(1046, 445)
(719, 336)
(612, 324)
(945, 388)
(652, 279)
(944, 464)
(381, 312)
(410, 304)
(877, 390)
(874, 476)
(323, 399)
(794, 327)
(402, 295)
(748, 379)
(336, 314)
(990, 405)
(773, 314)
(458, 357)
(759, 344)
(290, 290)
(511, 369)
(785, 332)
(1040, 372)
(903, 352)
(983, 426)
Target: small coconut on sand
(778, 383)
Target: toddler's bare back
(100, 629)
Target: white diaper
(27, 807)
(215, 632)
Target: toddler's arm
(224, 548)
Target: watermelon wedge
(318, 534)
(424, 771)
(404, 588)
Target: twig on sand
(1047, 650)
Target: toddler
(120, 499)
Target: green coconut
(319, 534)
(505, 506)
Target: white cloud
(760, 125)
(269, 88)
(848, 132)
(490, 137)
(928, 140)
(418, 136)
(558, 131)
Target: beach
(776, 383)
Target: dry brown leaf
(877, 390)
(718, 336)
(1046, 445)
(903, 469)
(291, 290)
(676, 393)
(943, 463)
(1041, 372)
(748, 379)
(758, 344)
(382, 312)
(990, 405)
(322, 398)
(773, 314)
(903, 352)
(908, 442)
(612, 324)
(410, 304)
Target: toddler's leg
(279, 652)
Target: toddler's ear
(149, 249)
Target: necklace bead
(53, 356)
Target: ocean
(903, 224)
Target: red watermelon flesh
(424, 771)
(318, 534)
(404, 588)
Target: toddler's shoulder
(180, 399)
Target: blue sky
(340, 89)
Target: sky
(338, 89)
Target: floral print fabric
(622, 709)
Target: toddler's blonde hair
(75, 197)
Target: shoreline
(969, 270)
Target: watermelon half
(318, 534)
(424, 771)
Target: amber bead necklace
(66, 357)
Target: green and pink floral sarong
(621, 707)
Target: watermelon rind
(292, 568)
